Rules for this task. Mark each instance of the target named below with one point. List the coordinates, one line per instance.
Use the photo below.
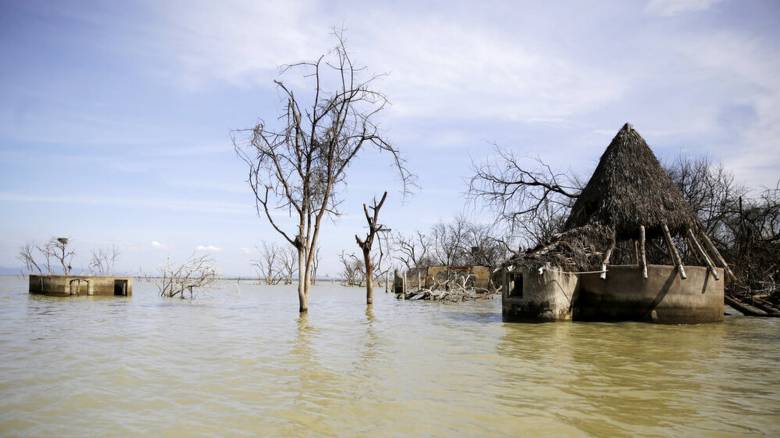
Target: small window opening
(517, 289)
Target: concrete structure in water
(427, 276)
(624, 295)
(80, 285)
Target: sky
(115, 117)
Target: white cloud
(208, 248)
(435, 66)
(158, 245)
(668, 8)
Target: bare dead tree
(178, 279)
(288, 264)
(59, 250)
(41, 258)
(518, 192)
(413, 249)
(299, 165)
(103, 260)
(353, 270)
(366, 243)
(268, 263)
(449, 241)
(482, 247)
(27, 255)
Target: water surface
(239, 361)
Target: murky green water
(239, 361)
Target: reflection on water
(239, 360)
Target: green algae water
(238, 361)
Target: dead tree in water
(27, 256)
(176, 280)
(374, 227)
(297, 167)
(413, 250)
(287, 264)
(267, 265)
(53, 250)
(103, 260)
(353, 270)
(59, 250)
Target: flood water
(238, 361)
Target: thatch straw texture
(629, 188)
(578, 249)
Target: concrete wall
(623, 296)
(427, 275)
(481, 274)
(530, 296)
(662, 297)
(67, 285)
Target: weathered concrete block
(74, 285)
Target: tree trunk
(303, 286)
(369, 276)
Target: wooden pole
(673, 251)
(643, 260)
(703, 254)
(636, 251)
(607, 256)
(717, 255)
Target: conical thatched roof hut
(629, 206)
(629, 197)
(629, 188)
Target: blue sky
(115, 116)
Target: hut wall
(71, 285)
(663, 297)
(530, 296)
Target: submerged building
(629, 213)
(80, 285)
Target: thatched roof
(580, 248)
(629, 188)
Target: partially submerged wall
(430, 275)
(74, 285)
(624, 295)
(529, 295)
(662, 297)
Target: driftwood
(454, 287)
(743, 307)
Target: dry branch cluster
(456, 243)
(452, 286)
(277, 263)
(48, 257)
(179, 279)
